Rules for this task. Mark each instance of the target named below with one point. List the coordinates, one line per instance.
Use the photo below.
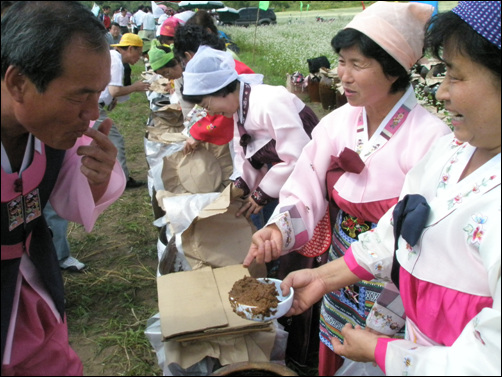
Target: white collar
(32, 144)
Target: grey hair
(35, 35)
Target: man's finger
(105, 126)
(101, 138)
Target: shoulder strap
(245, 138)
(55, 159)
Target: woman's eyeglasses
(208, 107)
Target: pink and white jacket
(450, 281)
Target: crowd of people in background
(378, 215)
(133, 21)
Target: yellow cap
(129, 39)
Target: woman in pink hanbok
(271, 125)
(441, 243)
(357, 160)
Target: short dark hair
(6, 5)
(223, 92)
(165, 40)
(204, 19)
(351, 37)
(114, 24)
(190, 37)
(448, 27)
(106, 7)
(125, 48)
(35, 35)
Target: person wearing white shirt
(137, 19)
(128, 51)
(123, 20)
(148, 26)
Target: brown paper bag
(189, 291)
(171, 120)
(168, 119)
(205, 170)
(217, 238)
(194, 305)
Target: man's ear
(189, 55)
(15, 82)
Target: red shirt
(107, 21)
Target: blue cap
(483, 17)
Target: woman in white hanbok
(446, 228)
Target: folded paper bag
(205, 170)
(197, 320)
(205, 245)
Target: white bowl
(283, 307)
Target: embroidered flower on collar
(445, 177)
(456, 200)
(456, 143)
(359, 146)
(444, 180)
(373, 148)
(396, 120)
(476, 189)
